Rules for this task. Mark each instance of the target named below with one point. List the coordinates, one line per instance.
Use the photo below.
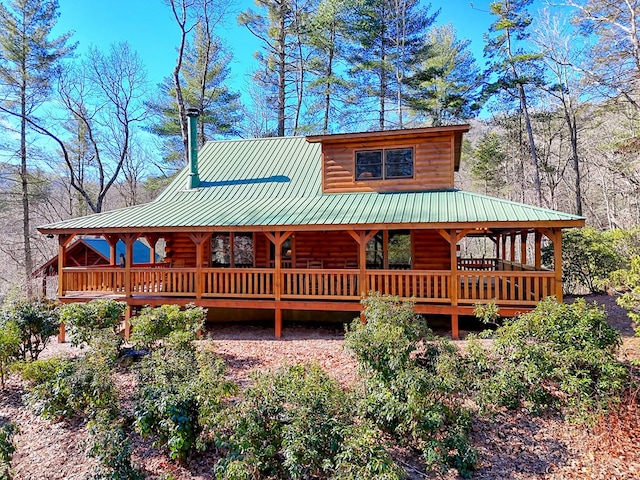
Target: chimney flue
(194, 178)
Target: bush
(7, 449)
(588, 257)
(297, 423)
(64, 389)
(109, 446)
(627, 281)
(83, 319)
(180, 392)
(37, 321)
(412, 383)
(156, 324)
(10, 342)
(558, 355)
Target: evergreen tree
(444, 81)
(29, 62)
(204, 77)
(282, 26)
(512, 69)
(387, 35)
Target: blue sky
(149, 28)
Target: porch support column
(152, 239)
(63, 241)
(538, 250)
(523, 246)
(128, 239)
(455, 282)
(127, 323)
(112, 240)
(199, 239)
(557, 261)
(278, 238)
(385, 249)
(512, 247)
(362, 237)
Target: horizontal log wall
(433, 166)
(334, 249)
(181, 251)
(430, 251)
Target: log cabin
(316, 223)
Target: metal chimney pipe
(194, 178)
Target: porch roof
(276, 182)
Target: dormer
(391, 161)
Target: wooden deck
(515, 288)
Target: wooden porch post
(453, 290)
(127, 323)
(199, 239)
(512, 247)
(557, 261)
(523, 246)
(128, 239)
(112, 240)
(538, 250)
(385, 249)
(152, 240)
(278, 238)
(63, 241)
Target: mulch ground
(513, 445)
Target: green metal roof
(276, 182)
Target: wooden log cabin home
(315, 224)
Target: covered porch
(330, 270)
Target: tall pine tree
(512, 70)
(29, 62)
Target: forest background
(553, 100)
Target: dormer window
(387, 163)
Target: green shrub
(37, 321)
(180, 392)
(83, 319)
(392, 332)
(156, 324)
(63, 389)
(298, 423)
(10, 342)
(109, 445)
(412, 383)
(558, 355)
(588, 257)
(7, 449)
(627, 281)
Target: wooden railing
(238, 282)
(510, 287)
(94, 279)
(506, 287)
(332, 283)
(424, 285)
(478, 263)
(163, 281)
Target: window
(398, 163)
(369, 164)
(220, 250)
(394, 163)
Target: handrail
(509, 287)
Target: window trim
(383, 165)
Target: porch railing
(506, 287)
(424, 285)
(238, 282)
(330, 283)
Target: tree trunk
(24, 180)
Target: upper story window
(388, 163)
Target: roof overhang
(389, 134)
